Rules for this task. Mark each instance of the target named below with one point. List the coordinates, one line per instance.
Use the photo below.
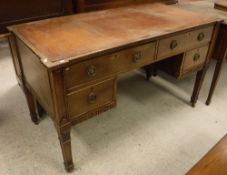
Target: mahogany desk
(220, 50)
(70, 64)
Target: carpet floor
(152, 131)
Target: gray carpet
(153, 130)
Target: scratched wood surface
(75, 36)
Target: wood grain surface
(214, 162)
(72, 37)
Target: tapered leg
(40, 109)
(198, 84)
(31, 105)
(65, 142)
(155, 72)
(216, 76)
(150, 71)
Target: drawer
(91, 98)
(200, 36)
(182, 42)
(194, 58)
(172, 45)
(104, 66)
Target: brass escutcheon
(201, 36)
(92, 97)
(136, 57)
(173, 44)
(196, 57)
(91, 71)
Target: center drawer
(182, 42)
(96, 98)
(105, 66)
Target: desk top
(63, 39)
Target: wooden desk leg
(216, 76)
(31, 105)
(40, 109)
(198, 84)
(150, 71)
(65, 141)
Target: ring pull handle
(136, 57)
(173, 44)
(196, 57)
(92, 97)
(201, 36)
(91, 71)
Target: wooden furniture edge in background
(214, 162)
(221, 5)
(84, 6)
(13, 13)
(4, 36)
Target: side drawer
(200, 36)
(182, 42)
(194, 58)
(94, 97)
(105, 66)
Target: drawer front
(172, 45)
(105, 66)
(91, 98)
(182, 42)
(200, 36)
(194, 58)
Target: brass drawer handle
(196, 57)
(136, 57)
(173, 44)
(92, 97)
(201, 36)
(91, 71)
